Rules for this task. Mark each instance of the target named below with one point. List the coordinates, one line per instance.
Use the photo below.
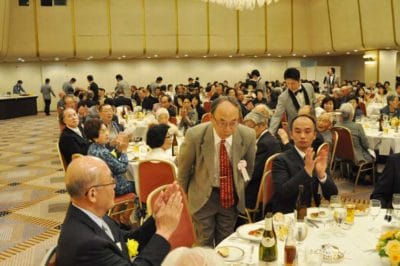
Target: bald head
(83, 173)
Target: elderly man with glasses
(89, 237)
(208, 170)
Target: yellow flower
(392, 247)
(394, 259)
(388, 235)
(132, 246)
(397, 235)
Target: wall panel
(396, 20)
(252, 31)
(301, 32)
(21, 38)
(279, 27)
(345, 24)
(223, 30)
(4, 19)
(127, 27)
(55, 31)
(92, 28)
(192, 27)
(376, 16)
(161, 27)
(319, 27)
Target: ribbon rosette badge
(133, 247)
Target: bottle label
(175, 150)
(268, 242)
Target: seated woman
(360, 141)
(117, 160)
(381, 95)
(160, 141)
(188, 115)
(199, 110)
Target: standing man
(295, 96)
(122, 85)
(298, 166)
(68, 86)
(208, 170)
(256, 78)
(93, 87)
(155, 84)
(46, 90)
(330, 80)
(17, 89)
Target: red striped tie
(226, 177)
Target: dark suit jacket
(148, 102)
(122, 100)
(70, 143)
(389, 182)
(287, 174)
(267, 145)
(83, 242)
(95, 88)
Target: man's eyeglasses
(226, 124)
(100, 185)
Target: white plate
(321, 217)
(331, 253)
(244, 230)
(361, 213)
(235, 253)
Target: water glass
(374, 208)
(396, 205)
(313, 257)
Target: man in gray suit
(208, 170)
(292, 99)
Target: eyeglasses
(100, 185)
(226, 124)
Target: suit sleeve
(328, 188)
(383, 188)
(251, 154)
(186, 160)
(277, 117)
(363, 137)
(69, 146)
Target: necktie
(226, 177)
(107, 231)
(298, 91)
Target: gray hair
(222, 99)
(347, 111)
(197, 256)
(161, 111)
(256, 117)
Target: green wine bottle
(268, 251)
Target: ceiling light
(328, 52)
(230, 56)
(123, 56)
(304, 55)
(356, 50)
(268, 54)
(186, 55)
(347, 52)
(255, 56)
(293, 54)
(156, 55)
(204, 56)
(241, 4)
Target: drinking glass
(300, 231)
(339, 214)
(374, 208)
(335, 202)
(396, 205)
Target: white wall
(144, 71)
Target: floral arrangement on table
(132, 246)
(389, 246)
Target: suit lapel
(306, 98)
(236, 150)
(294, 100)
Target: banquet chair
(362, 107)
(62, 159)
(333, 150)
(206, 117)
(152, 174)
(207, 106)
(173, 120)
(124, 204)
(49, 258)
(344, 152)
(268, 163)
(184, 235)
(321, 147)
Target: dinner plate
(323, 214)
(361, 213)
(234, 253)
(331, 253)
(245, 232)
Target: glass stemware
(396, 205)
(339, 214)
(374, 208)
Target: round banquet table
(357, 242)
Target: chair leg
(249, 220)
(373, 174)
(357, 177)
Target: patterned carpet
(33, 199)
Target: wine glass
(396, 205)
(374, 208)
(300, 231)
(339, 214)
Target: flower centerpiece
(389, 247)
(133, 247)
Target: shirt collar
(98, 220)
(76, 130)
(302, 154)
(262, 134)
(217, 139)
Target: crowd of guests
(220, 162)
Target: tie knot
(298, 91)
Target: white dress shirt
(217, 143)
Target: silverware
(312, 223)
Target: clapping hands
(318, 164)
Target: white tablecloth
(356, 243)
(374, 108)
(383, 142)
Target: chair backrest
(184, 235)
(268, 163)
(335, 137)
(207, 106)
(324, 145)
(173, 120)
(206, 117)
(362, 107)
(266, 189)
(152, 174)
(49, 258)
(344, 145)
(61, 157)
